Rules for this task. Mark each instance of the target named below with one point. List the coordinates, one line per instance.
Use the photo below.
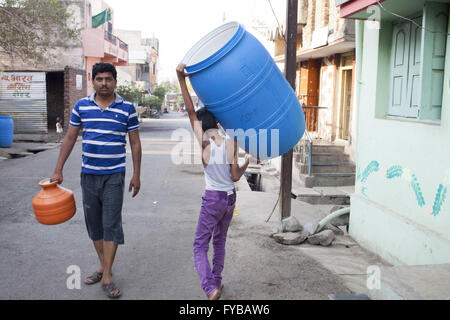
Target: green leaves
(153, 102)
(29, 29)
(131, 93)
(160, 92)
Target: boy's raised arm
(196, 126)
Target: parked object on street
(154, 113)
(53, 204)
(6, 131)
(240, 84)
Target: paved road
(156, 261)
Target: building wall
(319, 14)
(126, 74)
(72, 93)
(138, 47)
(90, 62)
(310, 24)
(399, 209)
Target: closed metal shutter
(23, 96)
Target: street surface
(156, 261)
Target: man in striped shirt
(105, 119)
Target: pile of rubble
(293, 233)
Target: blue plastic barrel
(6, 131)
(239, 83)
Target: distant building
(143, 60)
(101, 44)
(171, 101)
(152, 45)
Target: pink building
(100, 44)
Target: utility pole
(290, 74)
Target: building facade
(152, 46)
(57, 83)
(325, 70)
(143, 61)
(101, 44)
(400, 207)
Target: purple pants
(214, 220)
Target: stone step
(327, 148)
(328, 179)
(342, 167)
(321, 195)
(329, 157)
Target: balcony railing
(123, 45)
(110, 37)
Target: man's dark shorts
(102, 204)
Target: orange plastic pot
(53, 204)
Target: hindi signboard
(22, 85)
(23, 96)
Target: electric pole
(290, 74)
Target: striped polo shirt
(104, 133)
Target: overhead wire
(278, 23)
(405, 18)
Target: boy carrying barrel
(220, 165)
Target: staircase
(330, 166)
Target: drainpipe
(359, 35)
(331, 216)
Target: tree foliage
(171, 86)
(30, 28)
(160, 92)
(131, 93)
(153, 102)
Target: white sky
(179, 24)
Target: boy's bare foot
(215, 295)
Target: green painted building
(400, 208)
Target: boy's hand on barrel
(180, 70)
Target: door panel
(414, 73)
(399, 70)
(433, 59)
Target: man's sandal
(94, 278)
(109, 289)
